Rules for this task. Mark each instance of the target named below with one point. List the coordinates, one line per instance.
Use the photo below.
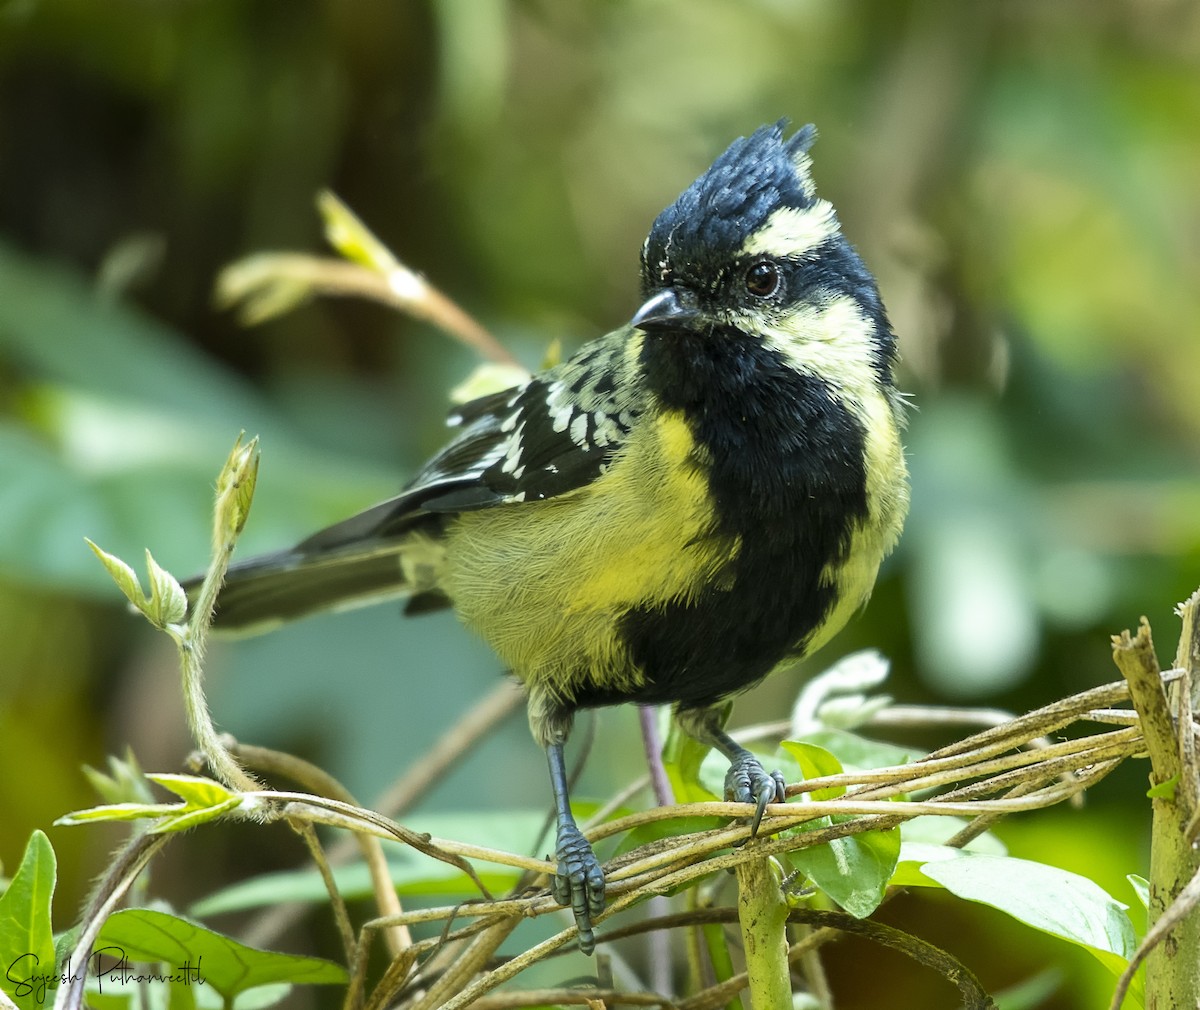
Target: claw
(579, 883)
(748, 782)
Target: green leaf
(148, 935)
(815, 763)
(204, 800)
(854, 871)
(168, 601)
(191, 817)
(683, 757)
(1055, 901)
(923, 840)
(124, 782)
(122, 575)
(26, 933)
(195, 790)
(1141, 887)
(1032, 993)
(116, 812)
(858, 753)
(353, 239)
(1164, 790)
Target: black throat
(787, 480)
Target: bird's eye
(762, 279)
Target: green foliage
(413, 874)
(26, 937)
(166, 603)
(203, 800)
(1054, 901)
(689, 765)
(1164, 790)
(231, 968)
(1141, 888)
(853, 871)
(815, 762)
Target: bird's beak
(668, 309)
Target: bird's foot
(579, 883)
(748, 782)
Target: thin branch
(341, 915)
(477, 723)
(119, 877)
(317, 780)
(267, 284)
(1134, 656)
(570, 997)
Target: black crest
(733, 198)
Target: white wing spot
(561, 418)
(579, 426)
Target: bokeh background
(1021, 176)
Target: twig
(235, 491)
(317, 780)
(466, 733)
(120, 875)
(831, 923)
(1135, 658)
(268, 284)
(659, 952)
(341, 916)
(570, 997)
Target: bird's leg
(579, 882)
(746, 781)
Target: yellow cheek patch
(833, 341)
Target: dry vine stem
(1171, 949)
(992, 776)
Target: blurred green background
(1021, 176)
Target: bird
(684, 505)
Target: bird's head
(749, 250)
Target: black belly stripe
(788, 479)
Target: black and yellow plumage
(672, 513)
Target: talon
(747, 782)
(579, 882)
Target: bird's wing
(551, 435)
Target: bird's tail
(366, 559)
(273, 589)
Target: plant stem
(763, 914)
(235, 491)
(1173, 965)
